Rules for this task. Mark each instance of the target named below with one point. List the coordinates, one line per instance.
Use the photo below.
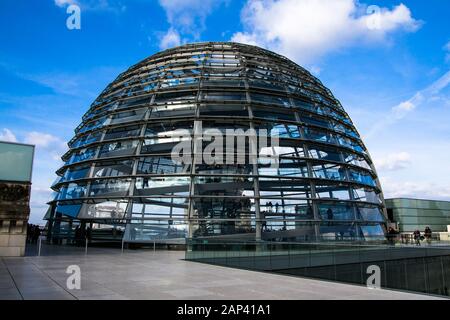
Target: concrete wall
(14, 213)
(12, 239)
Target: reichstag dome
(217, 140)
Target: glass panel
(370, 213)
(314, 120)
(82, 155)
(356, 160)
(323, 153)
(113, 168)
(329, 171)
(78, 172)
(332, 192)
(122, 132)
(180, 110)
(110, 209)
(224, 110)
(336, 211)
(224, 96)
(71, 210)
(173, 97)
(116, 187)
(87, 139)
(163, 164)
(318, 135)
(104, 121)
(262, 98)
(346, 142)
(365, 194)
(160, 182)
(15, 162)
(119, 148)
(271, 114)
(289, 167)
(361, 177)
(72, 191)
(128, 116)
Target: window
(78, 172)
(113, 168)
(329, 171)
(122, 132)
(262, 98)
(110, 186)
(361, 177)
(118, 148)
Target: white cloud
(39, 139)
(408, 189)
(393, 161)
(170, 39)
(305, 30)
(400, 111)
(94, 5)
(63, 3)
(7, 135)
(186, 17)
(47, 144)
(189, 15)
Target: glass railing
(424, 268)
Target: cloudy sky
(388, 62)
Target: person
(133, 234)
(329, 214)
(428, 234)
(29, 232)
(269, 204)
(264, 222)
(89, 234)
(416, 236)
(391, 234)
(77, 236)
(145, 184)
(36, 234)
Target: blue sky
(389, 65)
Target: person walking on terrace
(416, 236)
(391, 234)
(428, 234)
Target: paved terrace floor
(107, 273)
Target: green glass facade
(416, 214)
(16, 161)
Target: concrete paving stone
(50, 296)
(144, 274)
(104, 297)
(10, 294)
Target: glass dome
(311, 178)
